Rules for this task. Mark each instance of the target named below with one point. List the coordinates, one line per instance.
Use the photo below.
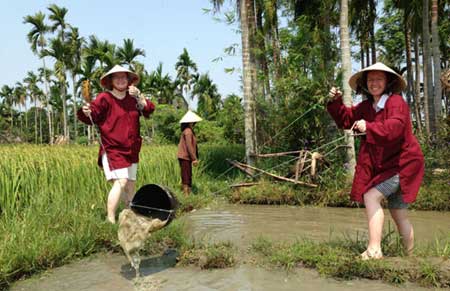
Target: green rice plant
(53, 198)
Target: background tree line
(292, 53)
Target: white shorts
(124, 173)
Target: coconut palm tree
(36, 37)
(207, 95)
(75, 43)
(346, 72)
(186, 74)
(128, 53)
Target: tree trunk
(426, 100)
(49, 106)
(372, 11)
(427, 67)
(64, 103)
(346, 68)
(259, 46)
(437, 92)
(249, 98)
(361, 52)
(35, 120)
(74, 97)
(407, 25)
(417, 86)
(262, 39)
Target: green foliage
(231, 119)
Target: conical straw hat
(398, 86)
(190, 117)
(106, 82)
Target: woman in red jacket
(390, 162)
(187, 149)
(116, 112)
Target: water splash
(134, 230)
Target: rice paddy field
(52, 200)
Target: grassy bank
(340, 259)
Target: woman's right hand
(86, 109)
(334, 93)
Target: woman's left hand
(134, 91)
(361, 125)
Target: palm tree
(427, 71)
(75, 43)
(60, 53)
(7, 93)
(346, 68)
(128, 53)
(186, 74)
(87, 73)
(101, 51)
(246, 10)
(437, 93)
(207, 95)
(31, 81)
(159, 85)
(20, 99)
(36, 37)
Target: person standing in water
(390, 162)
(116, 112)
(187, 149)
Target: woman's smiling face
(376, 83)
(120, 81)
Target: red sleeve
(393, 126)
(99, 109)
(148, 108)
(344, 116)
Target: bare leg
(130, 188)
(375, 220)
(405, 228)
(114, 198)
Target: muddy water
(240, 224)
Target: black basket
(155, 201)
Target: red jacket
(389, 146)
(118, 121)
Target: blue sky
(161, 27)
